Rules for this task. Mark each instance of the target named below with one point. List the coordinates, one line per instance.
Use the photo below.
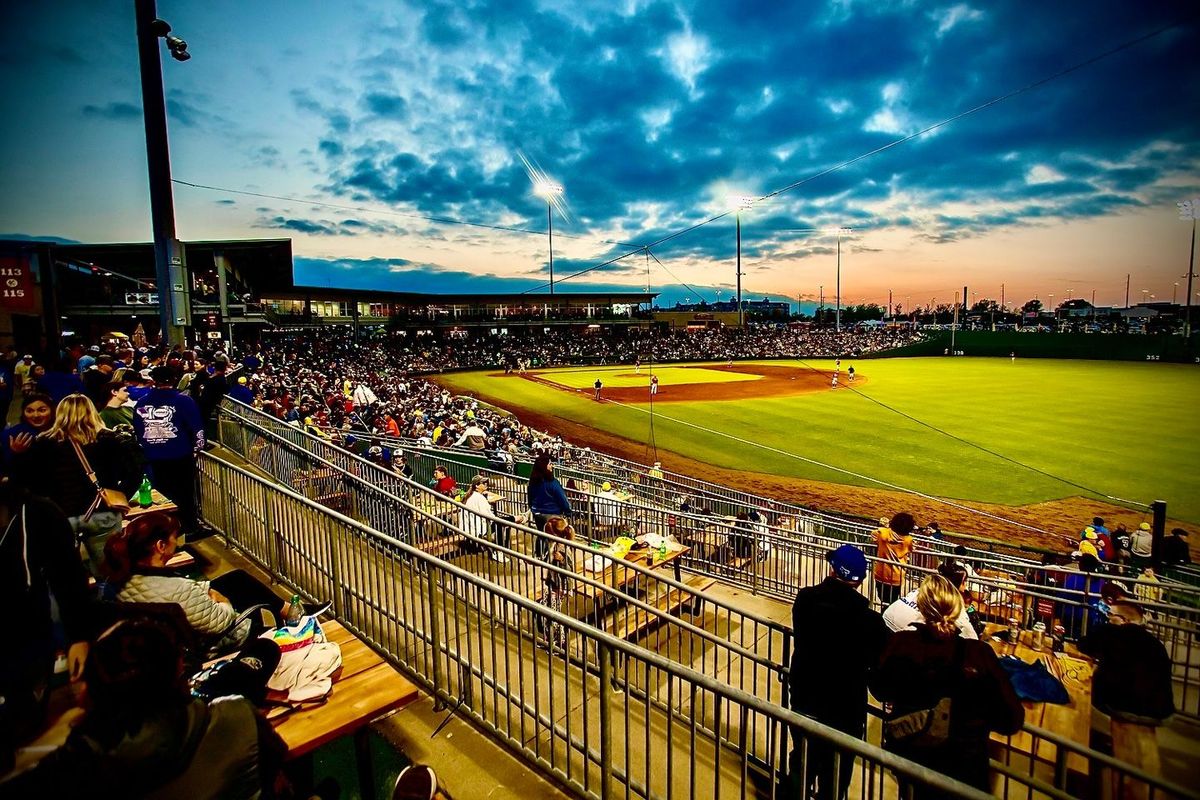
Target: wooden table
(616, 573)
(160, 503)
(1072, 720)
(365, 688)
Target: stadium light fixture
(739, 203)
(1189, 210)
(550, 192)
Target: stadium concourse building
(56, 289)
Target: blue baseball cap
(849, 563)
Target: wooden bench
(630, 622)
(1137, 745)
(443, 546)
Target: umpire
(837, 638)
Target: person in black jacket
(1132, 681)
(144, 735)
(52, 468)
(837, 640)
(38, 557)
(921, 667)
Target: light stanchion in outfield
(549, 191)
(1189, 210)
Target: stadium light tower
(549, 191)
(740, 203)
(1189, 210)
(840, 233)
(170, 270)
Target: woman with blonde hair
(944, 694)
(70, 462)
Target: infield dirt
(773, 381)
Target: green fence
(1105, 346)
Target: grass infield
(1125, 429)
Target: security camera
(178, 48)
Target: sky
(653, 117)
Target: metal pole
(741, 318)
(1187, 302)
(168, 253)
(838, 317)
(550, 237)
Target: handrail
(215, 471)
(269, 534)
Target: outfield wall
(1100, 346)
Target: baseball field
(1039, 440)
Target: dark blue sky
(651, 115)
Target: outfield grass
(613, 377)
(1124, 428)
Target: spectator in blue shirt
(546, 497)
(241, 392)
(171, 432)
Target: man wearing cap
(241, 392)
(1141, 544)
(837, 639)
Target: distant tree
(1032, 306)
(985, 306)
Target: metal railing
(772, 560)
(600, 715)
(628, 599)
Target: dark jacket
(221, 749)
(38, 556)
(51, 468)
(548, 498)
(1175, 551)
(168, 425)
(837, 641)
(919, 668)
(1133, 676)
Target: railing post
(435, 636)
(605, 721)
(337, 596)
(275, 537)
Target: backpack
(927, 728)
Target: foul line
(982, 448)
(842, 470)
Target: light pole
(549, 191)
(170, 270)
(740, 203)
(1189, 209)
(838, 320)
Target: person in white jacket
(480, 517)
(136, 561)
(903, 613)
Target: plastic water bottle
(145, 497)
(295, 611)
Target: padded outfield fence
(600, 715)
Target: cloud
(325, 227)
(687, 55)
(225, 201)
(115, 110)
(948, 18)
